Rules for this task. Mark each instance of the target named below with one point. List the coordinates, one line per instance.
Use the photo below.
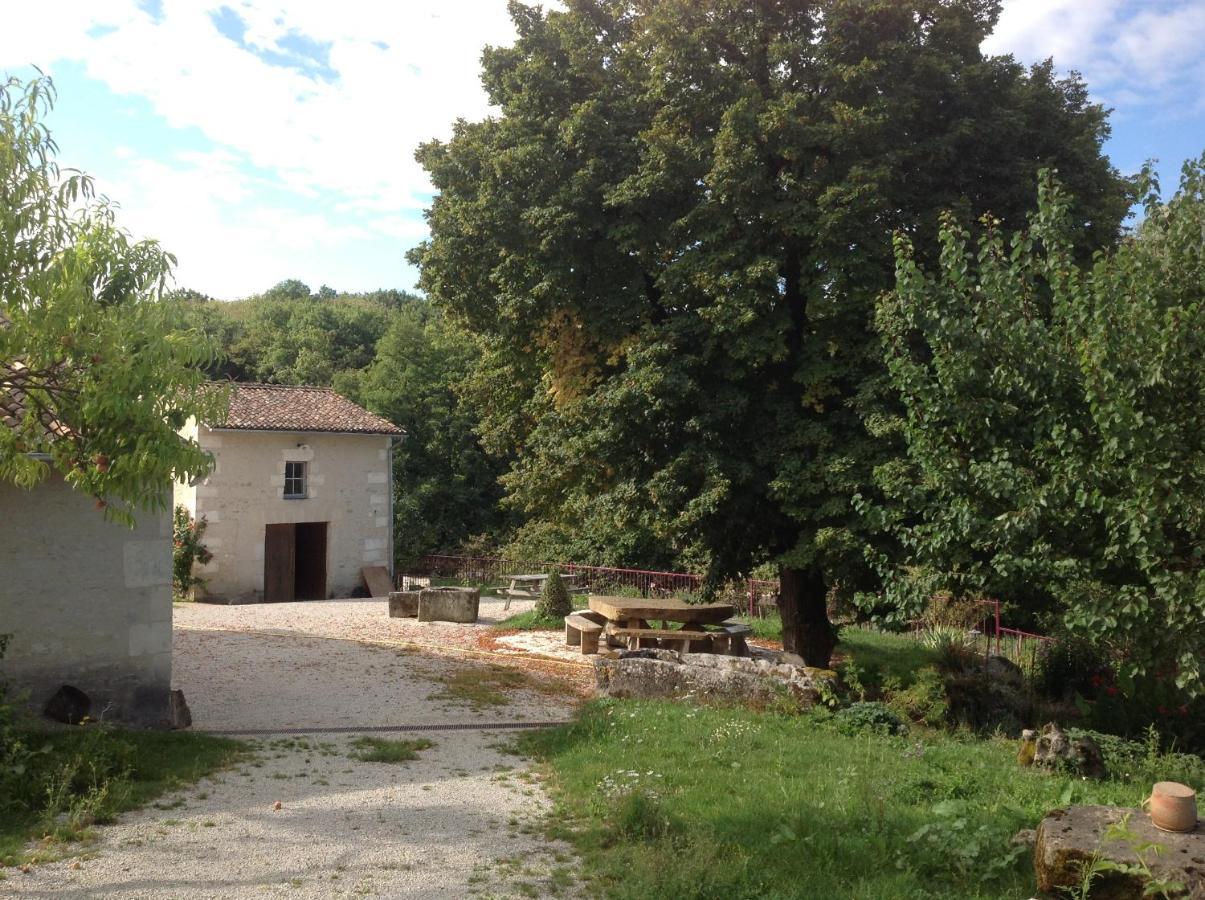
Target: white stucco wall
(349, 488)
(88, 602)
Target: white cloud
(1132, 53)
(405, 72)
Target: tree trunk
(802, 603)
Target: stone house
(86, 602)
(301, 498)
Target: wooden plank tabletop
(622, 609)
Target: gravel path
(459, 821)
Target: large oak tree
(672, 234)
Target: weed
(868, 716)
(386, 750)
(485, 686)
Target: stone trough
(403, 604)
(438, 604)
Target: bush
(554, 599)
(869, 716)
(187, 550)
(952, 646)
(1069, 666)
(1144, 761)
(925, 700)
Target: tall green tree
(95, 377)
(671, 236)
(446, 487)
(1053, 419)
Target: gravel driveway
(459, 821)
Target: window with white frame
(295, 480)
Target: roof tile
(287, 407)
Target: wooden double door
(295, 562)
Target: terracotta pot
(1173, 806)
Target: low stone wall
(448, 604)
(667, 673)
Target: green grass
(667, 799)
(388, 750)
(885, 655)
(87, 776)
(532, 621)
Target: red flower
(1183, 709)
(1097, 681)
(1111, 691)
(1162, 710)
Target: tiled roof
(14, 403)
(287, 407)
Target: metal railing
(754, 596)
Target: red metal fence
(754, 596)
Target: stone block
(1069, 839)
(448, 604)
(403, 604)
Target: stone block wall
(87, 602)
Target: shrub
(1070, 666)
(925, 700)
(1144, 762)
(187, 550)
(1131, 709)
(952, 646)
(554, 598)
(869, 716)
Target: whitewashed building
(85, 602)
(300, 499)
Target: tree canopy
(1053, 423)
(670, 240)
(95, 375)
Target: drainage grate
(376, 729)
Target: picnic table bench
(702, 627)
(584, 629)
(528, 587)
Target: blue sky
(269, 140)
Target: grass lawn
(663, 799)
(88, 775)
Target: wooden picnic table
(628, 618)
(528, 587)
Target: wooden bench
(584, 629)
(688, 638)
(730, 639)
